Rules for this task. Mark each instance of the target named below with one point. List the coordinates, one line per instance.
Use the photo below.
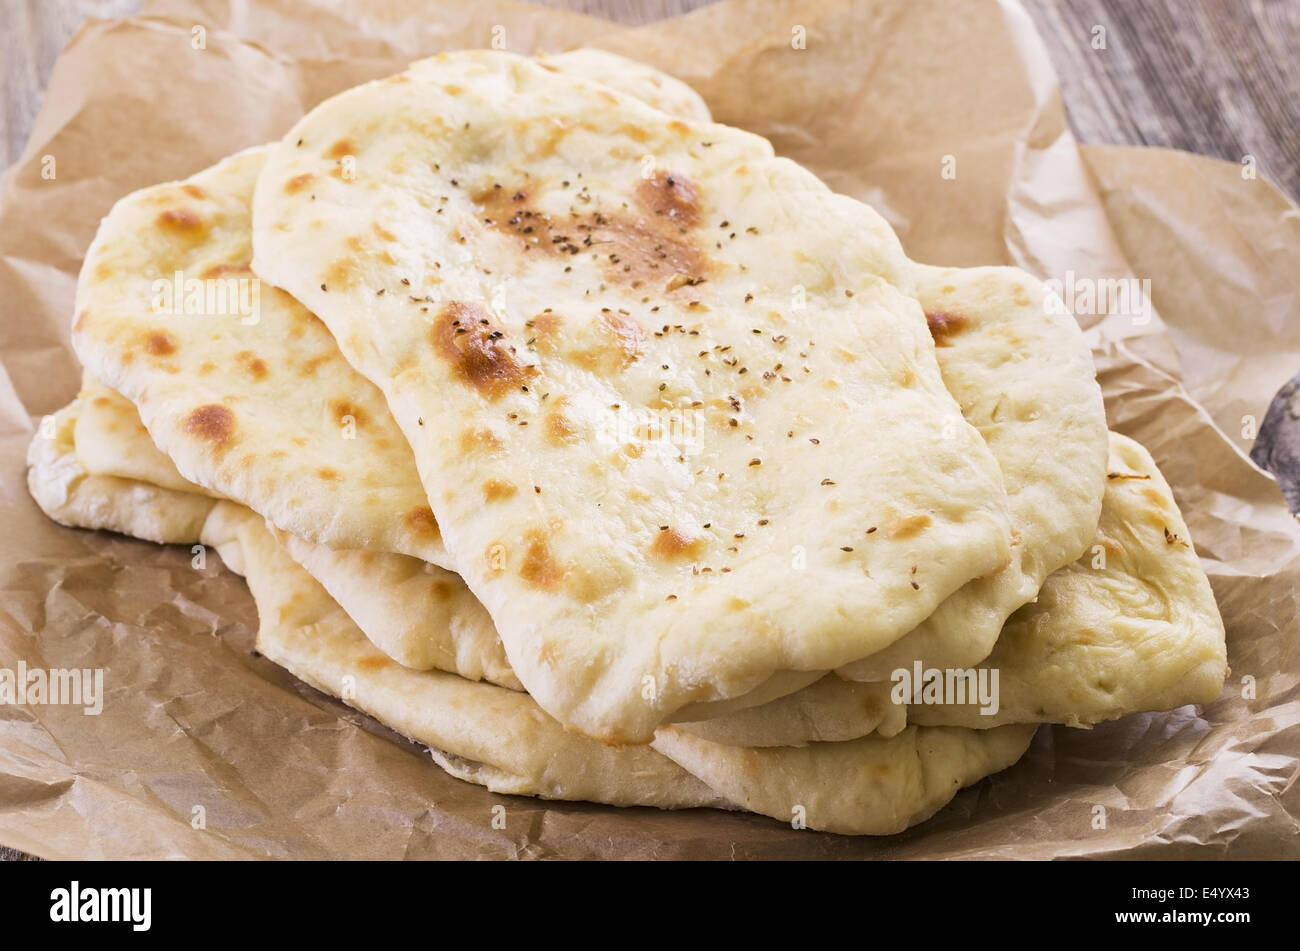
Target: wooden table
(1218, 77)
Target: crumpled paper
(948, 119)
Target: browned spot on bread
(309, 367)
(628, 247)
(342, 409)
(673, 543)
(545, 325)
(180, 219)
(472, 440)
(670, 196)
(496, 489)
(221, 270)
(559, 428)
(341, 148)
(382, 232)
(442, 590)
(212, 422)
(160, 343)
(207, 367)
(341, 274)
(634, 450)
(373, 662)
(479, 355)
(625, 333)
(539, 569)
(912, 525)
(100, 401)
(194, 191)
(618, 344)
(944, 325)
(737, 604)
(328, 474)
(421, 521)
(298, 183)
(253, 365)
(80, 320)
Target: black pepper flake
(845, 548)
(871, 529)
(827, 482)
(755, 462)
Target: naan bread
(872, 786)
(593, 264)
(1131, 626)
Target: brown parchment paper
(882, 94)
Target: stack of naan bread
(613, 458)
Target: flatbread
(1131, 626)
(614, 566)
(871, 786)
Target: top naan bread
(537, 270)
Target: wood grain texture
(1217, 77)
